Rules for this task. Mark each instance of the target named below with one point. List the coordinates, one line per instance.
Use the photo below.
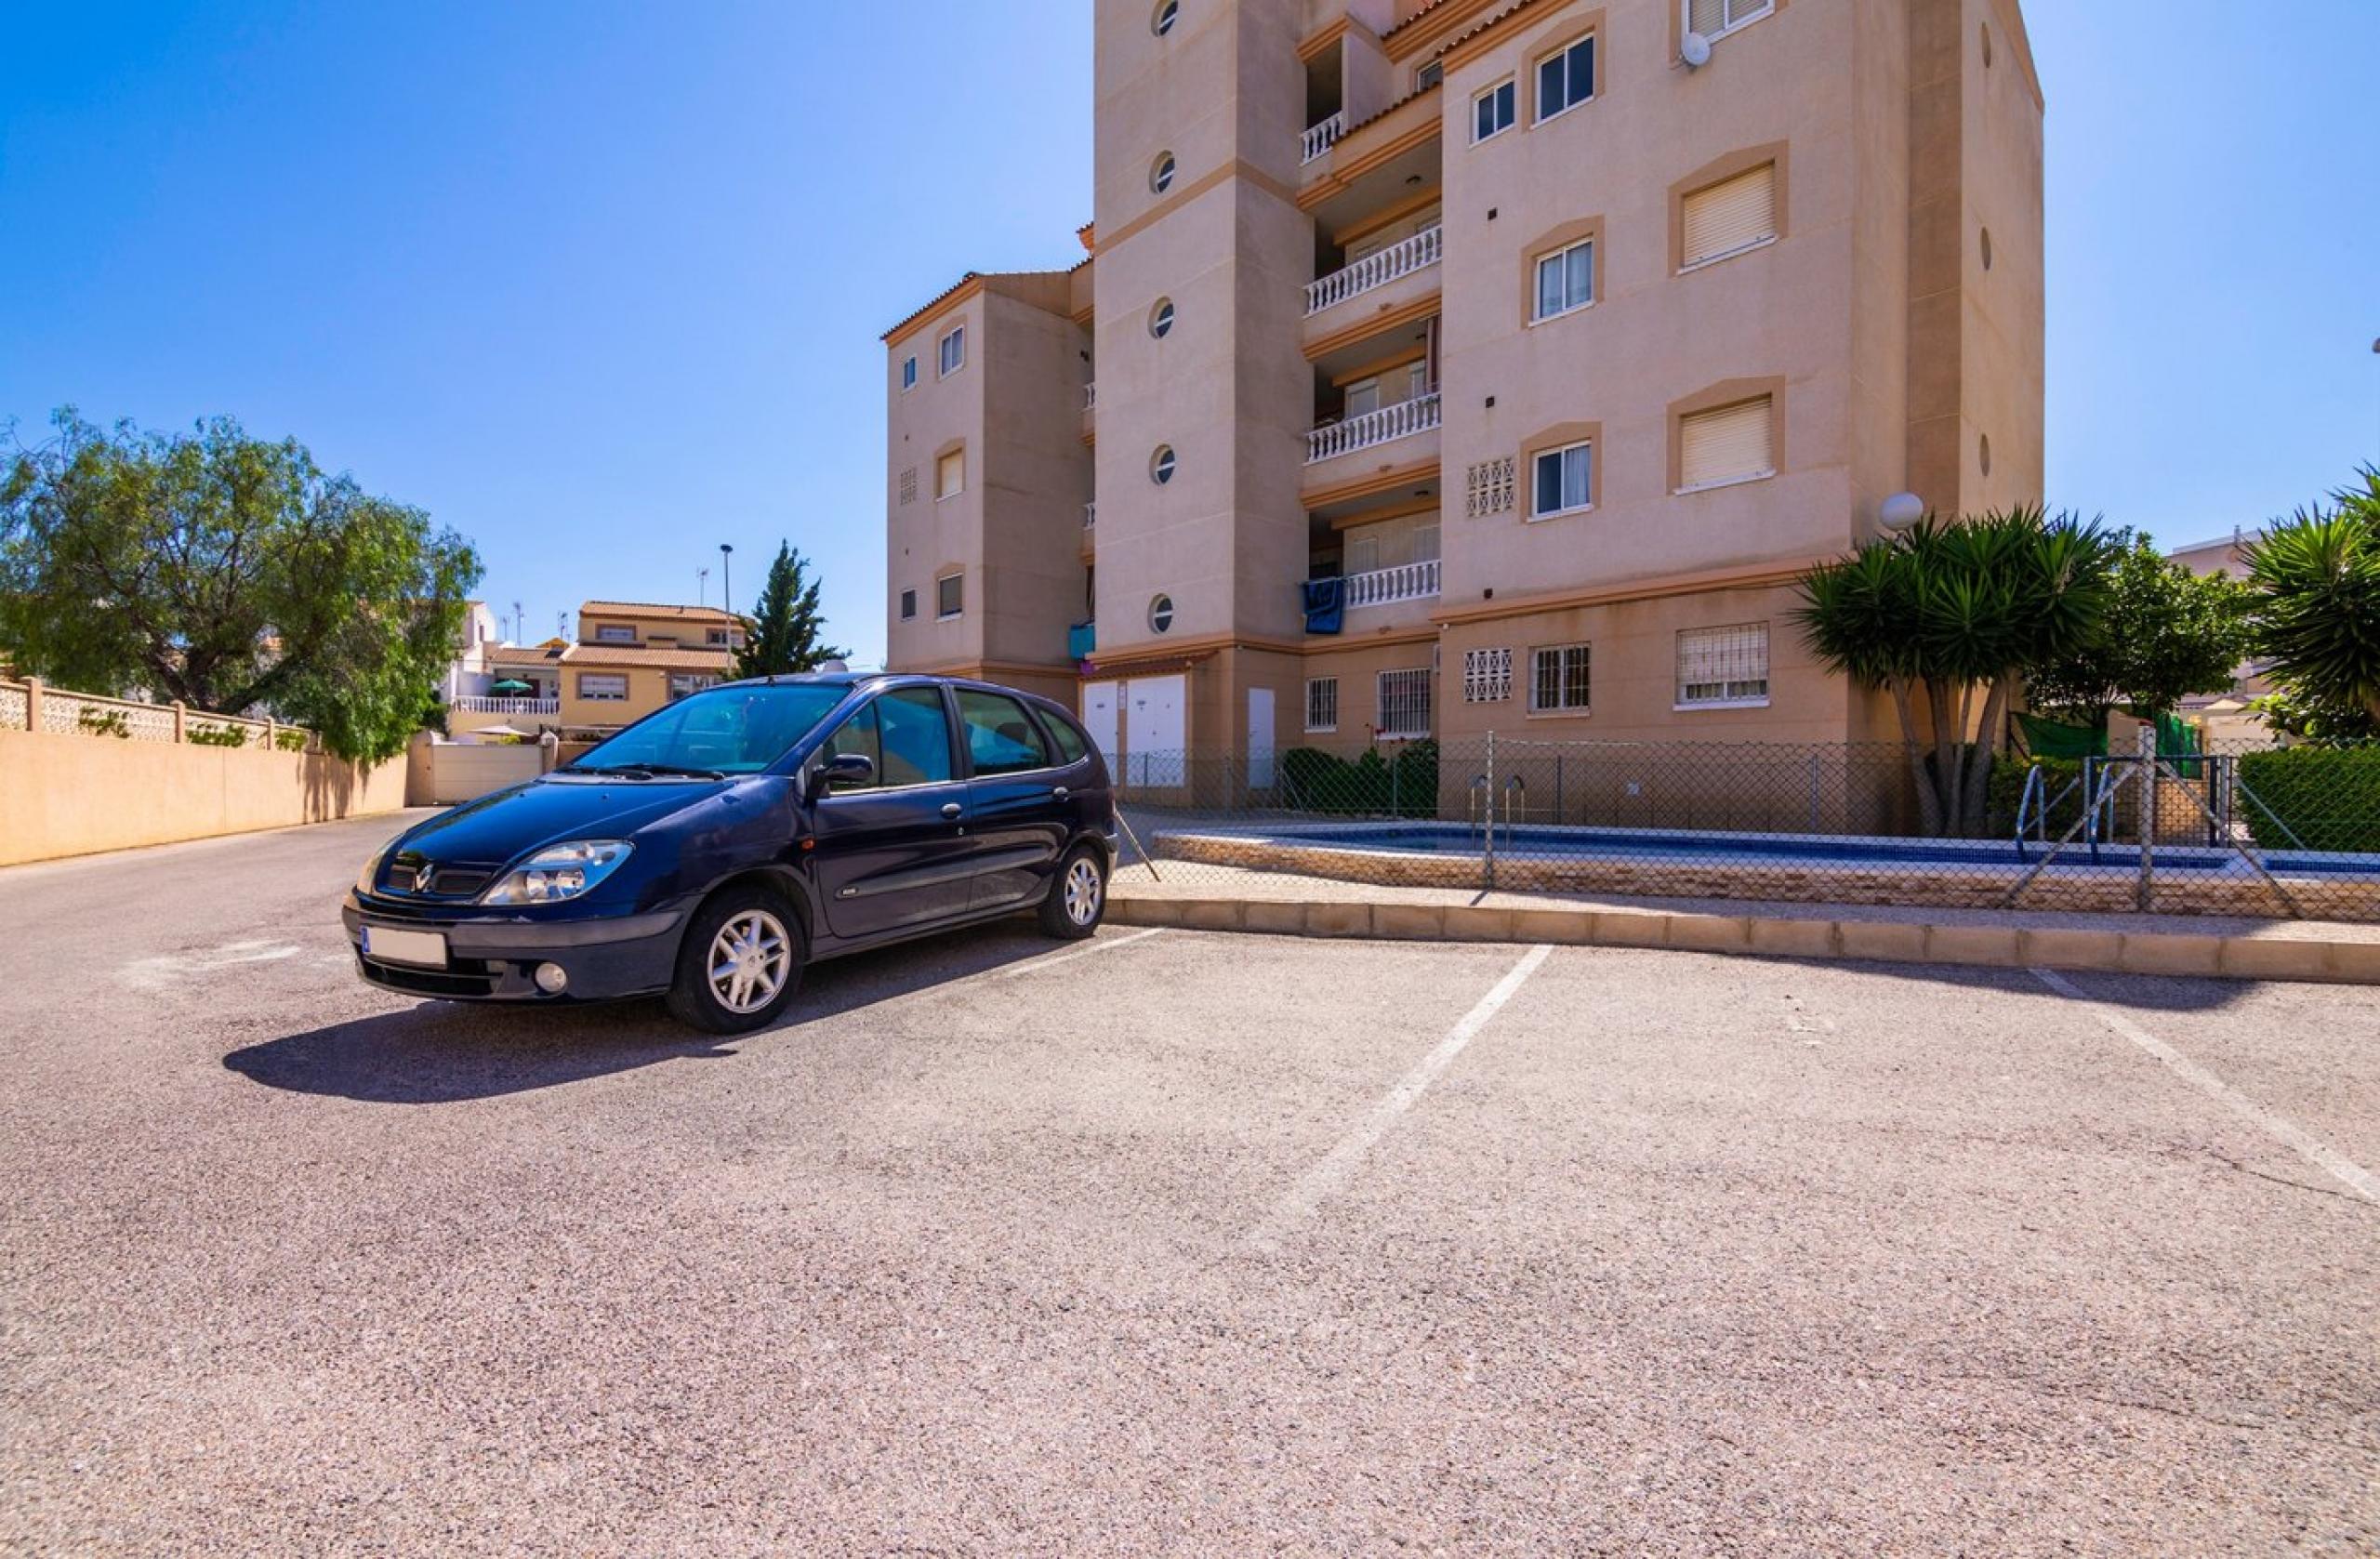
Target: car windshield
(723, 730)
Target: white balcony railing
(508, 706)
(1401, 420)
(1323, 136)
(1374, 271)
(1405, 582)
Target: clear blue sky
(600, 284)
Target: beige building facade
(1472, 364)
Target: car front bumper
(492, 958)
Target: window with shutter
(1404, 703)
(1719, 667)
(1715, 18)
(1322, 704)
(1557, 680)
(908, 604)
(948, 595)
(1562, 481)
(1566, 279)
(950, 474)
(1728, 217)
(1727, 445)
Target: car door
(895, 852)
(1016, 798)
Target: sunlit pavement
(1174, 1243)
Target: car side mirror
(845, 769)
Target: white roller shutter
(1732, 214)
(1727, 445)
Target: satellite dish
(834, 667)
(1901, 511)
(1695, 49)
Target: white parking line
(1339, 1164)
(2356, 1178)
(1073, 953)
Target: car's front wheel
(740, 963)
(1078, 900)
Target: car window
(1072, 749)
(736, 729)
(1002, 738)
(914, 733)
(857, 734)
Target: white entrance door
(1099, 718)
(1260, 738)
(1154, 730)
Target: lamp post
(726, 580)
(702, 586)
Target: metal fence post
(2148, 817)
(1487, 855)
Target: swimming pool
(1678, 864)
(1526, 841)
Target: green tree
(2317, 581)
(2169, 633)
(1953, 612)
(230, 573)
(788, 627)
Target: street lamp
(726, 580)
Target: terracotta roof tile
(658, 659)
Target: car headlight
(366, 881)
(558, 872)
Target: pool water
(1454, 838)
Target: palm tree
(1954, 610)
(2317, 576)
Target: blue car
(712, 849)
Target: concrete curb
(2238, 957)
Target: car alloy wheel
(1083, 890)
(749, 959)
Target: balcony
(1389, 423)
(474, 705)
(1385, 587)
(1323, 136)
(1416, 253)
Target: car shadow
(444, 1052)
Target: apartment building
(1479, 364)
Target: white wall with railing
(1323, 136)
(1401, 420)
(31, 706)
(491, 705)
(1421, 250)
(1382, 586)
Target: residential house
(633, 657)
(1473, 365)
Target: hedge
(1406, 786)
(2312, 797)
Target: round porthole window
(1983, 452)
(1161, 173)
(1987, 248)
(1162, 20)
(1161, 319)
(1160, 613)
(1161, 465)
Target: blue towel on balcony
(1325, 605)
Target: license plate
(392, 944)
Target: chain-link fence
(2292, 832)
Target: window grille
(1488, 487)
(1722, 665)
(1558, 678)
(1322, 704)
(1486, 676)
(1404, 703)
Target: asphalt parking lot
(1170, 1243)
